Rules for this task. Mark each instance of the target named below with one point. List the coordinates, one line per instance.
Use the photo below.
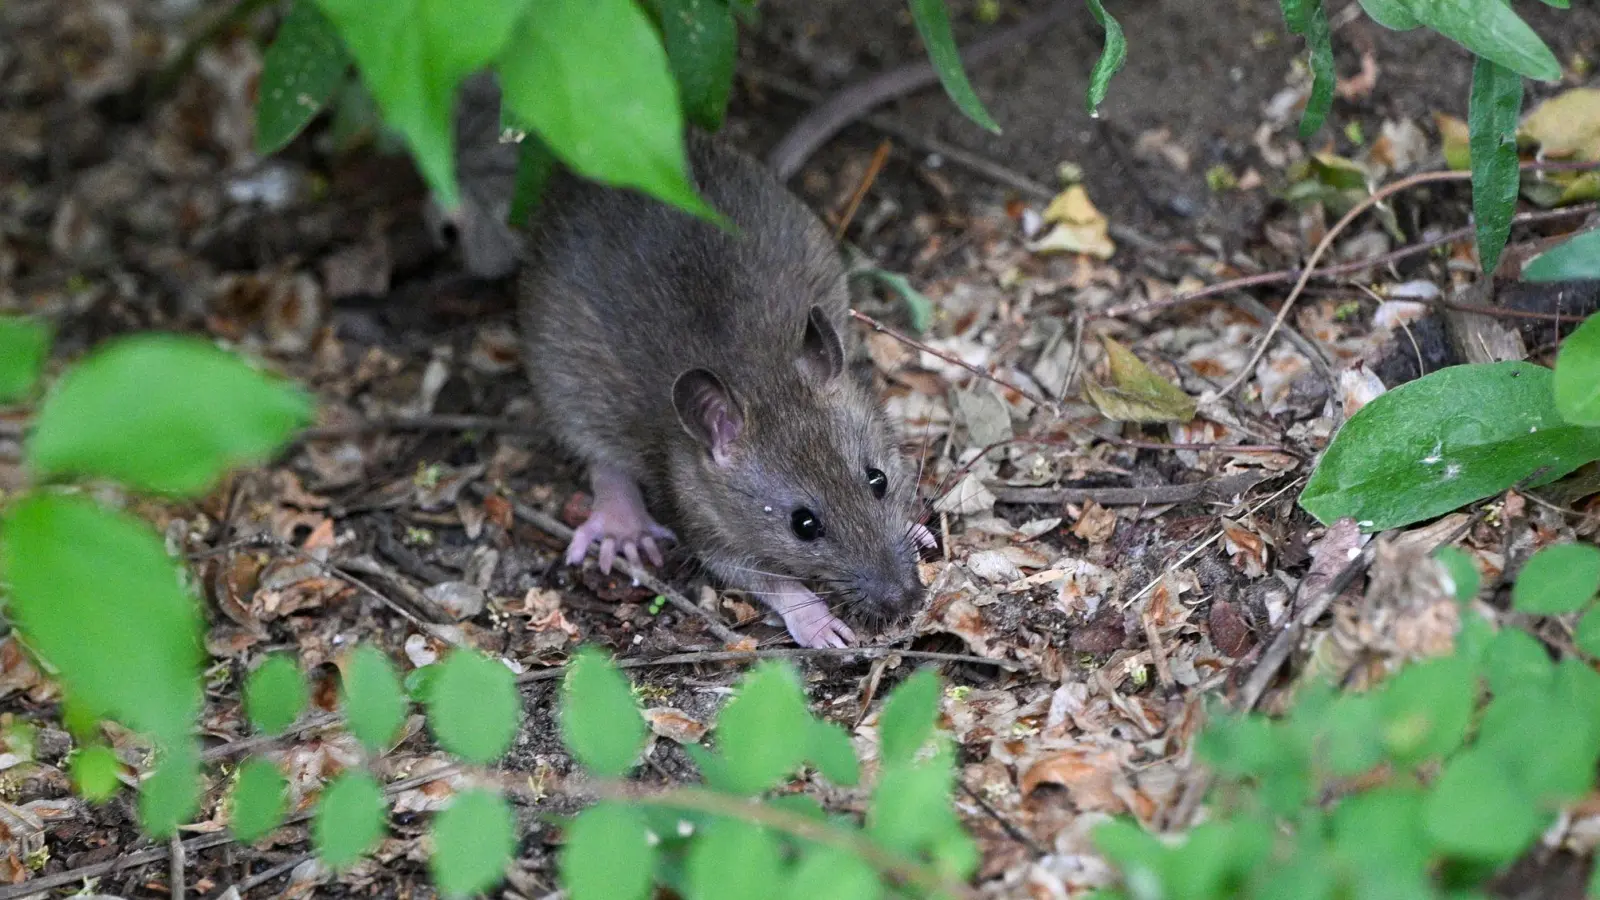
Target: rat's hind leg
(618, 520)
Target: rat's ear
(708, 411)
(821, 351)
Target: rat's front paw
(812, 624)
(625, 530)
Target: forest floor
(1094, 588)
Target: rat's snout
(891, 590)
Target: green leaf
(259, 798)
(911, 804)
(1112, 56)
(94, 773)
(1492, 113)
(351, 818)
(1426, 708)
(933, 23)
(170, 796)
(1392, 14)
(1352, 735)
(1463, 571)
(592, 79)
(95, 593)
(608, 855)
(1577, 382)
(1477, 811)
(1491, 30)
(830, 751)
(1382, 829)
(600, 721)
(1575, 260)
(908, 717)
(374, 704)
(413, 54)
(163, 413)
(702, 43)
(733, 860)
(473, 841)
(1297, 14)
(1319, 41)
(1542, 742)
(1587, 634)
(24, 346)
(762, 732)
(1515, 660)
(1451, 437)
(832, 873)
(299, 73)
(473, 706)
(1560, 578)
(275, 694)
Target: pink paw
(618, 529)
(811, 624)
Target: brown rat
(707, 368)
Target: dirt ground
(1118, 582)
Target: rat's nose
(893, 589)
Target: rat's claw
(631, 551)
(652, 551)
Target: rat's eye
(805, 524)
(878, 481)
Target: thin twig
(553, 527)
(860, 193)
(179, 860)
(952, 360)
(266, 875)
(1220, 489)
(1337, 271)
(496, 424)
(723, 656)
(1322, 247)
(258, 741)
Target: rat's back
(620, 293)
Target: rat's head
(799, 476)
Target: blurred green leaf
(1112, 56)
(702, 43)
(1577, 381)
(1426, 708)
(830, 751)
(1575, 260)
(374, 705)
(1492, 113)
(908, 717)
(350, 819)
(95, 593)
(413, 55)
(1476, 811)
(733, 860)
(162, 413)
(933, 23)
(1319, 41)
(1444, 440)
(763, 731)
(911, 803)
(1587, 634)
(275, 694)
(1515, 659)
(1549, 751)
(301, 69)
(259, 798)
(1560, 578)
(917, 303)
(94, 773)
(473, 841)
(535, 165)
(600, 721)
(170, 795)
(1463, 571)
(834, 874)
(473, 706)
(608, 855)
(591, 77)
(24, 346)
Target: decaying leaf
(1079, 226)
(1136, 393)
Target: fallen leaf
(1136, 393)
(1079, 227)
(675, 725)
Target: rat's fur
(622, 294)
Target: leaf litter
(1122, 611)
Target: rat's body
(708, 368)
